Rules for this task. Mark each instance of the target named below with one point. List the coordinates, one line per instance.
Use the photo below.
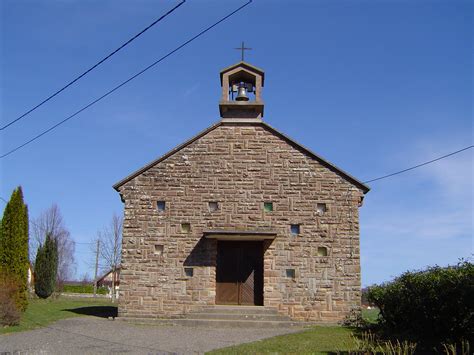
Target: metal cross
(243, 48)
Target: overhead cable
(92, 68)
(125, 82)
(419, 165)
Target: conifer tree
(14, 245)
(46, 267)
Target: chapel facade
(241, 214)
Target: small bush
(432, 306)
(354, 319)
(369, 343)
(9, 312)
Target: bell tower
(241, 98)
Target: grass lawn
(315, 340)
(370, 315)
(84, 289)
(43, 312)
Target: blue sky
(372, 86)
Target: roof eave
(117, 185)
(348, 176)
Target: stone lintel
(239, 235)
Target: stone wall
(241, 166)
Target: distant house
(107, 278)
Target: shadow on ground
(96, 311)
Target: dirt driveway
(92, 335)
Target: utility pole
(96, 267)
(114, 269)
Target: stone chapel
(242, 215)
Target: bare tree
(51, 222)
(110, 251)
(86, 279)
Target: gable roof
(244, 65)
(290, 141)
(117, 271)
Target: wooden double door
(239, 273)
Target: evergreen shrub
(46, 267)
(14, 246)
(431, 306)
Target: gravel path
(91, 335)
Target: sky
(372, 86)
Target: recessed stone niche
(295, 229)
(322, 251)
(213, 206)
(321, 209)
(185, 227)
(161, 206)
(268, 206)
(158, 249)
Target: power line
(94, 66)
(1, 198)
(419, 165)
(126, 81)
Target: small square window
(185, 227)
(290, 273)
(322, 251)
(213, 206)
(295, 229)
(321, 209)
(161, 205)
(158, 249)
(189, 271)
(268, 206)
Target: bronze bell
(242, 96)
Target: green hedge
(85, 289)
(431, 306)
